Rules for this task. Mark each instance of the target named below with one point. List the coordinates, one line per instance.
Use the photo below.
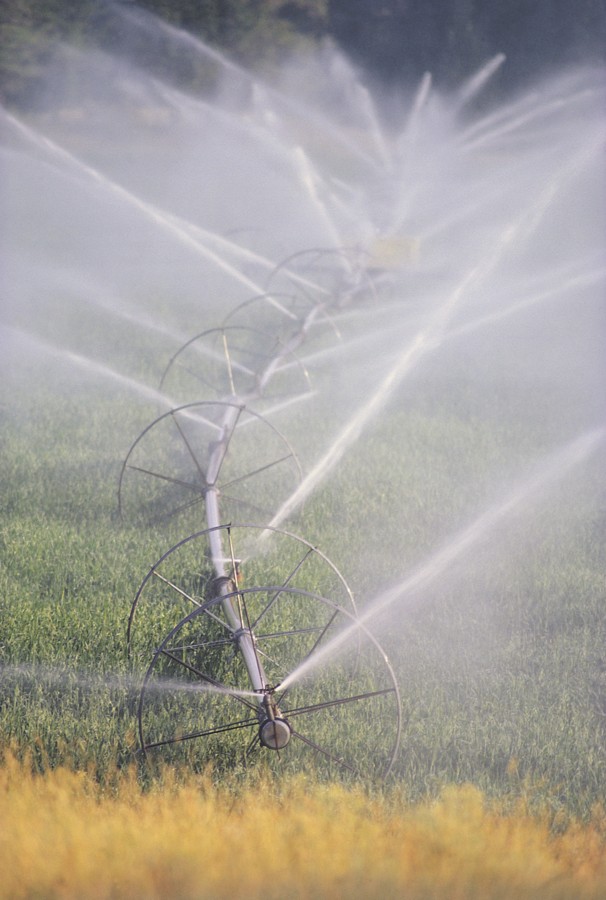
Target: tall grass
(64, 836)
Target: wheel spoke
(175, 511)
(313, 649)
(327, 704)
(336, 759)
(197, 376)
(255, 742)
(217, 684)
(190, 450)
(178, 590)
(291, 632)
(203, 645)
(208, 732)
(254, 472)
(279, 666)
(285, 583)
(170, 478)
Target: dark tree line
(395, 40)
(401, 39)
(249, 29)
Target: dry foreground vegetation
(65, 836)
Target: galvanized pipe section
(227, 583)
(226, 579)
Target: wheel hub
(274, 730)
(274, 733)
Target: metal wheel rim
(335, 752)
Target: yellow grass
(61, 835)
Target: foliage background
(395, 41)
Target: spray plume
(410, 591)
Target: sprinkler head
(274, 733)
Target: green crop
(500, 662)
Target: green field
(500, 660)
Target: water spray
(249, 638)
(410, 591)
(178, 229)
(306, 656)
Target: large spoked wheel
(224, 446)
(330, 704)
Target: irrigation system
(334, 250)
(248, 635)
(216, 674)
